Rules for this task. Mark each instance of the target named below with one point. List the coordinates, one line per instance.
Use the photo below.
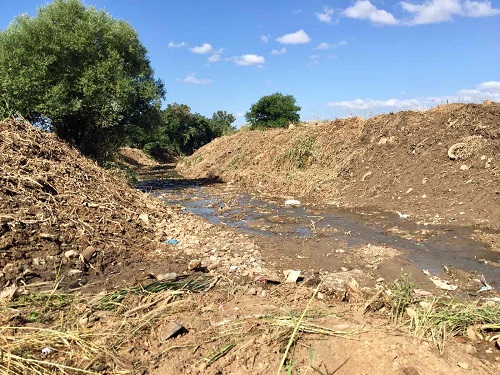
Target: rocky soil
(97, 277)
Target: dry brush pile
(57, 207)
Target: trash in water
(172, 241)
(292, 203)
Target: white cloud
(326, 16)
(480, 9)
(265, 38)
(204, 48)
(490, 86)
(278, 51)
(298, 37)
(435, 11)
(484, 91)
(323, 46)
(432, 11)
(191, 78)
(248, 59)
(341, 43)
(297, 11)
(216, 56)
(365, 10)
(176, 45)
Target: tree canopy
(82, 71)
(273, 111)
(183, 132)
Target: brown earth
(397, 162)
(72, 234)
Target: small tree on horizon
(273, 111)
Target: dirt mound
(64, 217)
(56, 205)
(135, 157)
(441, 164)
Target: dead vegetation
(78, 295)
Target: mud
(70, 231)
(322, 230)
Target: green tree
(273, 111)
(183, 131)
(221, 123)
(85, 71)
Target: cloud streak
(298, 37)
(204, 48)
(418, 12)
(176, 45)
(365, 10)
(192, 79)
(484, 91)
(278, 51)
(326, 16)
(247, 59)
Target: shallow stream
(430, 247)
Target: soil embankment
(441, 165)
(99, 278)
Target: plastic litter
(485, 286)
(47, 351)
(403, 216)
(443, 284)
(292, 276)
(292, 203)
(172, 241)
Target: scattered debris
(194, 264)
(88, 253)
(292, 276)
(47, 351)
(443, 284)
(166, 276)
(485, 286)
(176, 329)
(9, 292)
(144, 218)
(173, 241)
(402, 216)
(292, 203)
(453, 148)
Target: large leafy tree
(273, 111)
(80, 70)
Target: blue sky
(337, 58)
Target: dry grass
(69, 331)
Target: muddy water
(430, 247)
